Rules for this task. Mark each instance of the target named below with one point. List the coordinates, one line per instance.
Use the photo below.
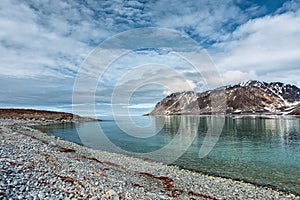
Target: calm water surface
(265, 151)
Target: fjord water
(260, 150)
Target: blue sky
(43, 44)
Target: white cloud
(180, 85)
(208, 20)
(36, 43)
(234, 77)
(289, 6)
(264, 45)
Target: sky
(43, 44)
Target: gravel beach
(36, 166)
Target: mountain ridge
(249, 97)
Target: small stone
(112, 195)
(22, 188)
(41, 195)
(52, 143)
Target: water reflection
(260, 150)
(264, 128)
(285, 130)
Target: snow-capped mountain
(251, 97)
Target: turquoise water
(264, 151)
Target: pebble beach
(36, 166)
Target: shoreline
(267, 186)
(141, 179)
(226, 115)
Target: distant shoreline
(224, 115)
(42, 115)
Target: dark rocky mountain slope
(251, 97)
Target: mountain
(251, 97)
